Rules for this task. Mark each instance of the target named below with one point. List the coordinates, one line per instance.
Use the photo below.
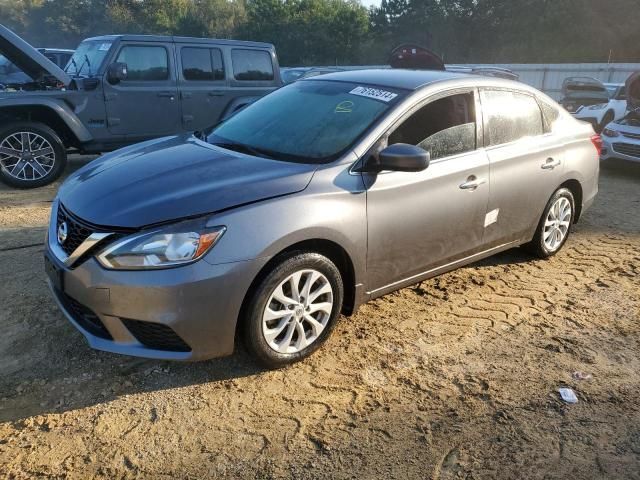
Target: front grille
(156, 336)
(84, 317)
(77, 231)
(627, 149)
(631, 135)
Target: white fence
(549, 77)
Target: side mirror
(116, 73)
(402, 157)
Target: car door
(526, 158)
(254, 73)
(420, 221)
(145, 104)
(203, 86)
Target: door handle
(472, 183)
(170, 95)
(216, 93)
(550, 164)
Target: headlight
(607, 132)
(163, 247)
(600, 106)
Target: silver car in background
(324, 194)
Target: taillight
(597, 142)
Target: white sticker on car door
(491, 217)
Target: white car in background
(603, 113)
(621, 139)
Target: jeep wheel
(31, 155)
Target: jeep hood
(28, 59)
(174, 178)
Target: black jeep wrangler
(121, 89)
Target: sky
(368, 3)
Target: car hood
(28, 59)
(174, 178)
(584, 87)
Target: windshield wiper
(72, 62)
(242, 148)
(86, 57)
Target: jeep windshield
(311, 121)
(88, 58)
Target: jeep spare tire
(31, 155)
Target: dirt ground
(455, 378)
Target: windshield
(311, 121)
(88, 57)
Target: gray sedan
(323, 195)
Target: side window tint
(196, 64)
(202, 64)
(444, 127)
(145, 63)
(510, 116)
(551, 115)
(252, 65)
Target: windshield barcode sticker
(374, 93)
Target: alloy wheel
(298, 311)
(557, 223)
(26, 156)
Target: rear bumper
(186, 313)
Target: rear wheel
(555, 225)
(293, 310)
(31, 155)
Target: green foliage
(314, 32)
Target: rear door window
(510, 116)
(145, 63)
(252, 65)
(202, 64)
(550, 114)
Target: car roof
(174, 39)
(394, 77)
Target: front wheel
(293, 309)
(555, 225)
(31, 155)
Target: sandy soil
(455, 378)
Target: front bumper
(620, 148)
(184, 313)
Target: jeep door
(526, 157)
(204, 90)
(145, 104)
(420, 221)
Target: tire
(25, 170)
(277, 342)
(606, 120)
(544, 246)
